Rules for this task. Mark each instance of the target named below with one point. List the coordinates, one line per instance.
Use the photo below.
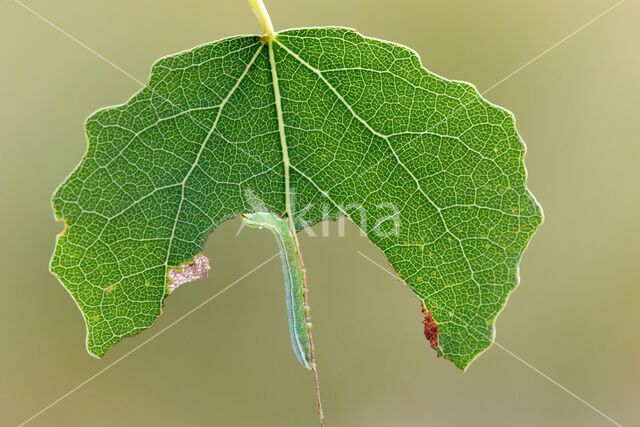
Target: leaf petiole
(263, 17)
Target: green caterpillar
(297, 308)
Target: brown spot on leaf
(430, 327)
(111, 288)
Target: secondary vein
(204, 143)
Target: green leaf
(316, 124)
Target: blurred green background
(574, 316)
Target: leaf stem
(263, 17)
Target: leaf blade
(367, 129)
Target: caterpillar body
(297, 309)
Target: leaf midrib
(281, 132)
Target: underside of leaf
(429, 170)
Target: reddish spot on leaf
(430, 328)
